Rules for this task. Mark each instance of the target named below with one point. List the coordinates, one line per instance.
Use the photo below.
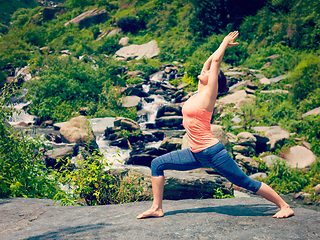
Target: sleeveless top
(196, 121)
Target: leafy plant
(218, 194)
(95, 183)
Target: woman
(205, 149)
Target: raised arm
(217, 57)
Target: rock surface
(241, 218)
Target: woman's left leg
(228, 168)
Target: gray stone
(246, 139)
(131, 101)
(236, 119)
(264, 81)
(245, 150)
(276, 137)
(311, 112)
(278, 79)
(148, 50)
(126, 123)
(170, 121)
(258, 175)
(234, 98)
(100, 124)
(249, 163)
(276, 91)
(123, 41)
(95, 15)
(171, 144)
(259, 75)
(78, 130)
(270, 159)
(300, 157)
(235, 87)
(234, 74)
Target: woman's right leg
(182, 160)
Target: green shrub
(305, 77)
(92, 183)
(22, 171)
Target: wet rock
(140, 159)
(51, 157)
(300, 157)
(126, 123)
(173, 108)
(54, 137)
(78, 130)
(171, 144)
(169, 122)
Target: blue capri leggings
(215, 157)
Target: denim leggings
(215, 157)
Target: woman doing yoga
(205, 149)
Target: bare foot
(151, 213)
(284, 213)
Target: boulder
(123, 41)
(311, 112)
(134, 91)
(78, 130)
(300, 157)
(270, 159)
(246, 139)
(276, 136)
(258, 175)
(130, 101)
(169, 122)
(173, 108)
(171, 144)
(221, 136)
(95, 16)
(148, 50)
(51, 157)
(249, 163)
(126, 123)
(276, 91)
(245, 150)
(140, 159)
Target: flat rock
(234, 98)
(264, 81)
(275, 91)
(270, 159)
(148, 50)
(311, 112)
(100, 124)
(300, 157)
(241, 218)
(278, 79)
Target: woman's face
(204, 76)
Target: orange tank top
(196, 121)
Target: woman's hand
(230, 38)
